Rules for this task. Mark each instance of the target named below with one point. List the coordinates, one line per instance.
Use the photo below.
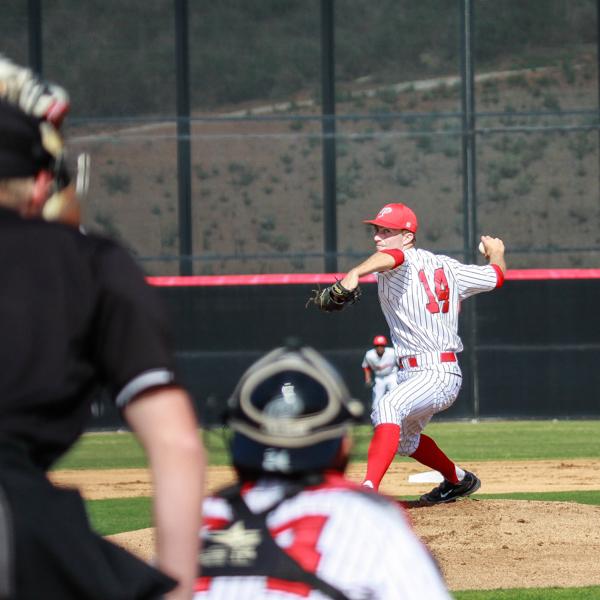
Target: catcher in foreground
(334, 297)
(282, 530)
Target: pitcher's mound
(490, 544)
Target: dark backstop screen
(537, 347)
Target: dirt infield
(479, 544)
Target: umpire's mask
(289, 413)
(29, 146)
(24, 151)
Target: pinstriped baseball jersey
(380, 365)
(362, 546)
(420, 300)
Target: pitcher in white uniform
(420, 295)
(380, 368)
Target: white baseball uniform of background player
(420, 295)
(380, 367)
(363, 545)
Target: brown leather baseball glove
(334, 297)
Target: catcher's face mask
(289, 413)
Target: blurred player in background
(293, 526)
(76, 314)
(380, 368)
(420, 295)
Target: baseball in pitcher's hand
(492, 245)
(494, 251)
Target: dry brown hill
(257, 179)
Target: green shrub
(346, 182)
(551, 102)
(403, 178)
(242, 175)
(517, 80)
(169, 236)
(297, 125)
(388, 95)
(568, 71)
(267, 224)
(555, 193)
(581, 145)
(117, 183)
(201, 174)
(280, 243)
(386, 157)
(524, 184)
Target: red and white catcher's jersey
(383, 365)
(364, 548)
(421, 299)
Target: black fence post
(598, 72)
(469, 185)
(34, 19)
(328, 130)
(183, 137)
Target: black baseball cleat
(449, 492)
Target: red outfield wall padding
(553, 274)
(327, 278)
(271, 279)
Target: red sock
(429, 454)
(382, 449)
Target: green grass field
(487, 440)
(464, 441)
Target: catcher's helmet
(380, 340)
(289, 413)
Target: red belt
(413, 361)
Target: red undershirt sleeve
(499, 274)
(397, 255)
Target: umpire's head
(31, 160)
(22, 151)
(290, 414)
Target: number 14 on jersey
(441, 301)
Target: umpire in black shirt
(76, 314)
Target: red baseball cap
(396, 216)
(380, 340)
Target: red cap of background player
(396, 216)
(380, 340)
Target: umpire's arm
(164, 421)
(133, 346)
